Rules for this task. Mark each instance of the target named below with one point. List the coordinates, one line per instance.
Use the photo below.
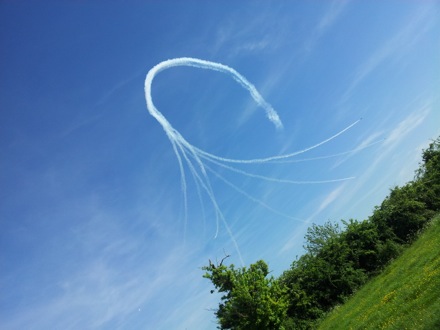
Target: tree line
(338, 260)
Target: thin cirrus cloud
(390, 146)
(408, 124)
(269, 39)
(330, 17)
(395, 137)
(406, 38)
(99, 296)
(326, 201)
(371, 140)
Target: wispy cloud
(293, 240)
(102, 296)
(395, 47)
(370, 140)
(401, 131)
(396, 137)
(242, 40)
(238, 36)
(325, 202)
(329, 18)
(406, 126)
(328, 199)
(104, 276)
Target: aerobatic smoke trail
(202, 64)
(195, 158)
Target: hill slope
(406, 295)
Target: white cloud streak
(371, 140)
(395, 138)
(406, 126)
(326, 22)
(411, 32)
(326, 201)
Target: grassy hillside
(406, 295)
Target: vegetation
(251, 300)
(403, 296)
(338, 261)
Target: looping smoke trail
(194, 157)
(202, 64)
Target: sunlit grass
(405, 296)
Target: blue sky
(93, 228)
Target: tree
(363, 242)
(401, 215)
(324, 276)
(250, 299)
(428, 177)
(320, 235)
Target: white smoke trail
(273, 158)
(202, 64)
(206, 185)
(262, 177)
(348, 152)
(194, 157)
(254, 199)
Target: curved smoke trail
(202, 64)
(194, 157)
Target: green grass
(406, 295)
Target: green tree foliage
(336, 263)
(334, 268)
(317, 237)
(328, 272)
(407, 209)
(250, 300)
(362, 239)
(401, 215)
(428, 176)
